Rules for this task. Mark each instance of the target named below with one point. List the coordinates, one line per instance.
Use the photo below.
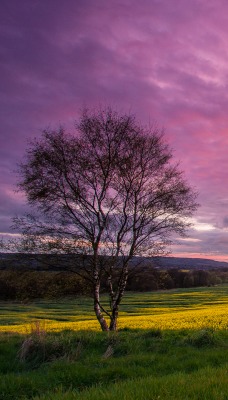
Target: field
(170, 345)
(175, 309)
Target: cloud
(162, 60)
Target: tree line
(149, 279)
(29, 285)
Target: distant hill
(180, 263)
(157, 262)
(195, 263)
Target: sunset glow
(164, 61)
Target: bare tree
(110, 192)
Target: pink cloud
(162, 60)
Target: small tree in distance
(109, 193)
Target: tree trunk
(97, 309)
(116, 303)
(114, 319)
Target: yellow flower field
(190, 309)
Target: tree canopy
(109, 192)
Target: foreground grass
(83, 365)
(147, 361)
(206, 384)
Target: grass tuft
(109, 352)
(153, 333)
(202, 338)
(40, 347)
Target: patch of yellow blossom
(211, 316)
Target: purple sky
(162, 60)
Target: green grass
(208, 384)
(66, 364)
(15, 313)
(129, 364)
